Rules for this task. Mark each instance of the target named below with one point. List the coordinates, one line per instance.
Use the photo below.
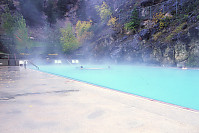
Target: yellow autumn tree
(112, 21)
(83, 30)
(105, 14)
(68, 39)
(104, 11)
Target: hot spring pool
(175, 86)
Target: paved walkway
(36, 102)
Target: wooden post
(8, 59)
(15, 59)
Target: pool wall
(113, 89)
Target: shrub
(135, 21)
(130, 26)
(161, 19)
(112, 21)
(83, 30)
(197, 17)
(104, 11)
(181, 18)
(177, 30)
(68, 40)
(158, 17)
(156, 36)
(185, 17)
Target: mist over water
(45, 25)
(164, 84)
(44, 20)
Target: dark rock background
(140, 47)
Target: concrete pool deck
(37, 102)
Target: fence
(163, 7)
(149, 11)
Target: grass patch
(197, 17)
(174, 32)
(157, 35)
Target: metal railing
(32, 64)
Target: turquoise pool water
(175, 86)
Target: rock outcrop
(173, 45)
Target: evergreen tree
(62, 8)
(50, 12)
(53, 40)
(10, 4)
(9, 25)
(135, 21)
(32, 11)
(104, 12)
(8, 22)
(21, 35)
(16, 31)
(81, 12)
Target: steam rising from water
(46, 34)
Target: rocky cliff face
(168, 33)
(174, 44)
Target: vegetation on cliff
(163, 32)
(16, 31)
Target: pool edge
(130, 94)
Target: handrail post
(33, 64)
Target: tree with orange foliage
(112, 21)
(83, 30)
